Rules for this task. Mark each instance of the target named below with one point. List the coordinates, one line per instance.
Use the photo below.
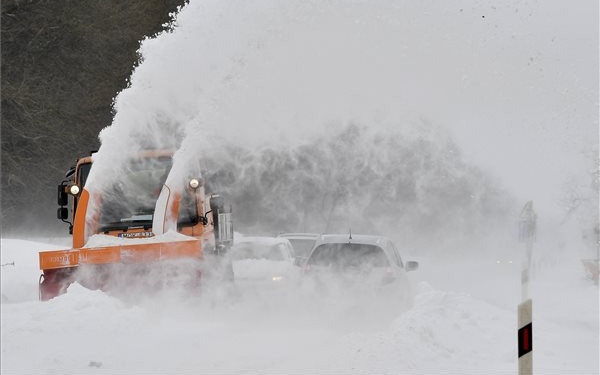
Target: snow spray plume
(159, 285)
(409, 185)
(248, 72)
(169, 91)
(239, 76)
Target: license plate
(136, 235)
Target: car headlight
(277, 278)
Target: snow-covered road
(462, 321)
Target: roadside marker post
(525, 338)
(527, 234)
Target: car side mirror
(411, 265)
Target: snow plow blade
(133, 253)
(59, 266)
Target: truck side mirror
(223, 226)
(63, 197)
(62, 213)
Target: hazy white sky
(536, 90)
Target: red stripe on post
(525, 340)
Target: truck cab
(150, 219)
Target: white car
(263, 259)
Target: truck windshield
(84, 171)
(130, 201)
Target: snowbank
(452, 327)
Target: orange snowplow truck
(136, 224)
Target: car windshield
(130, 202)
(348, 255)
(302, 246)
(257, 251)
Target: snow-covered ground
(462, 321)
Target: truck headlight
(74, 189)
(194, 183)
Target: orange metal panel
(135, 253)
(162, 250)
(175, 209)
(79, 222)
(182, 249)
(100, 255)
(139, 253)
(59, 259)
